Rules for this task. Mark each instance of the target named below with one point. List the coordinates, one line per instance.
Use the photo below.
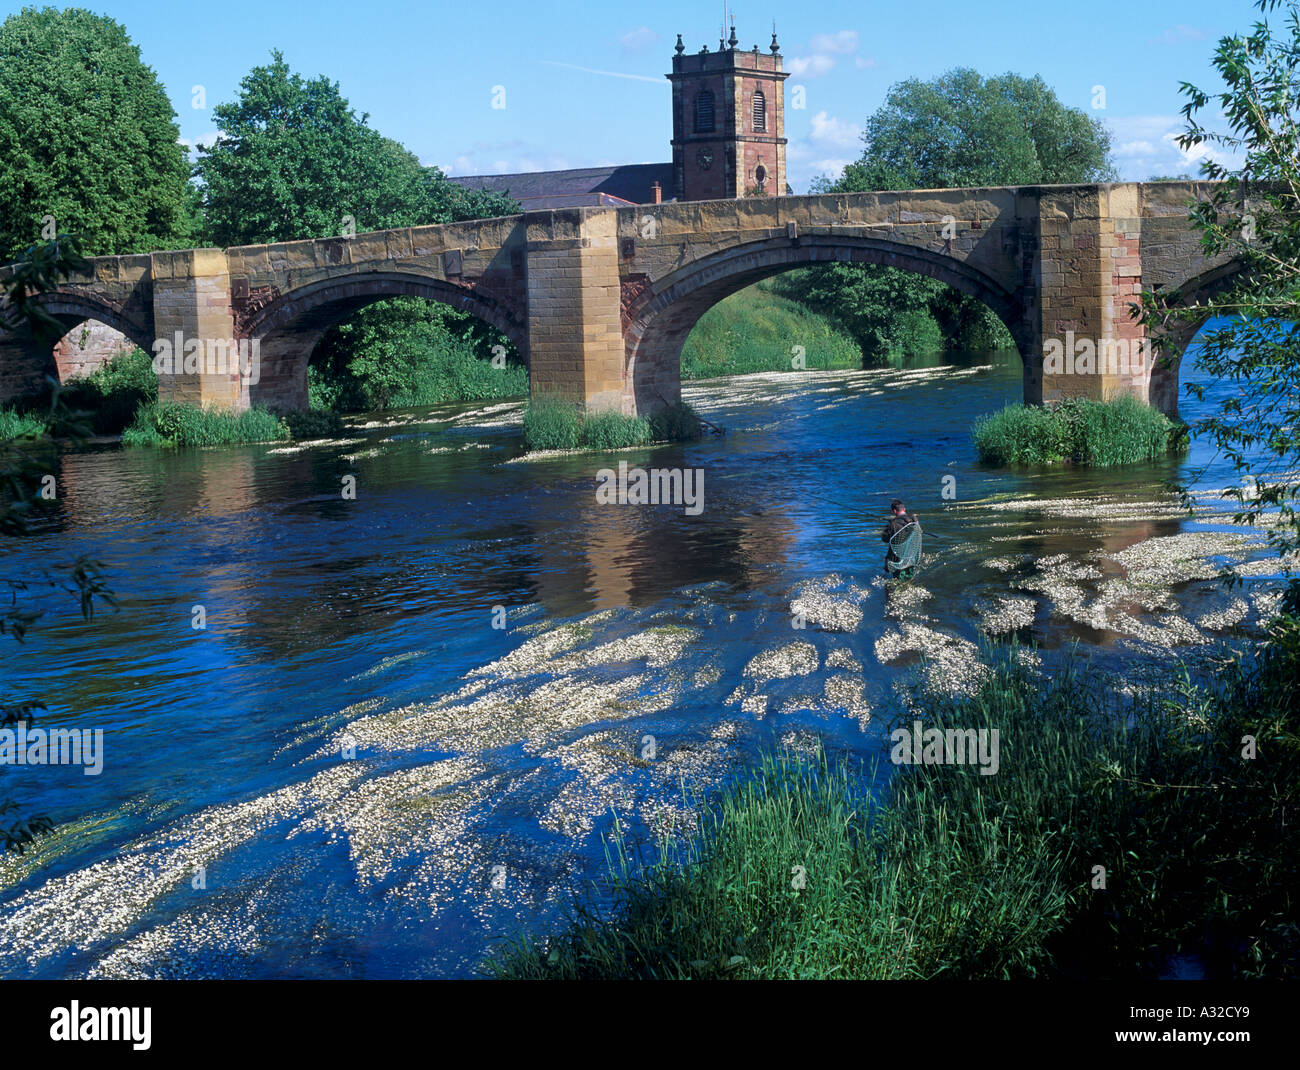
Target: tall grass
(554, 424)
(755, 331)
(792, 872)
(168, 424)
(1080, 431)
(16, 424)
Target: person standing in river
(900, 519)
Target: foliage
(406, 351)
(755, 329)
(294, 159)
(958, 130)
(87, 136)
(552, 424)
(112, 394)
(1094, 433)
(171, 424)
(961, 131)
(1252, 217)
(885, 311)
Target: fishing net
(904, 549)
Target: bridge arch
(289, 326)
(658, 316)
(1164, 390)
(25, 360)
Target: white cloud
(1147, 145)
(810, 66)
(829, 131)
(807, 159)
(640, 39)
(864, 63)
(843, 43)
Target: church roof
(583, 186)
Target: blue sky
(583, 82)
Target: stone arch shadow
(659, 316)
(288, 327)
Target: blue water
(290, 791)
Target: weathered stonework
(599, 300)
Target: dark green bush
(405, 352)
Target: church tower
(728, 122)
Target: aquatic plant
(170, 424)
(555, 424)
(1081, 431)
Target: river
(348, 771)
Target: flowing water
(349, 771)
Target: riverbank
(1062, 851)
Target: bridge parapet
(600, 300)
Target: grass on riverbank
(1080, 431)
(793, 872)
(168, 424)
(19, 424)
(553, 424)
(757, 331)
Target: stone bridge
(599, 300)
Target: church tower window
(704, 112)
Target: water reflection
(372, 620)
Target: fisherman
(900, 519)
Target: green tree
(958, 130)
(87, 136)
(294, 160)
(1254, 218)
